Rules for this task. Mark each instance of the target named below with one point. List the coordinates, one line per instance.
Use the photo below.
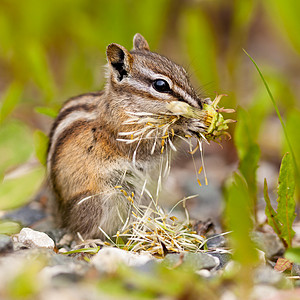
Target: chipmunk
(87, 158)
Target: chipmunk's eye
(161, 86)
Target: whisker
(135, 151)
(154, 144)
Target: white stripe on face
(152, 75)
(185, 96)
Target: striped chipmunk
(106, 147)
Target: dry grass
(153, 230)
(150, 228)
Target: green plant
(282, 219)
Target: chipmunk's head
(146, 79)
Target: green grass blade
(272, 214)
(83, 250)
(286, 203)
(277, 111)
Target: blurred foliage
(180, 283)
(9, 101)
(16, 144)
(17, 191)
(248, 152)
(293, 254)
(41, 141)
(194, 30)
(286, 19)
(239, 206)
(9, 227)
(27, 282)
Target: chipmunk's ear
(139, 43)
(119, 59)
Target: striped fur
(86, 160)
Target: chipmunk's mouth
(181, 121)
(213, 125)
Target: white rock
(203, 273)
(34, 239)
(265, 292)
(74, 292)
(108, 259)
(228, 295)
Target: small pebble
(192, 261)
(28, 238)
(262, 291)
(6, 244)
(216, 241)
(296, 269)
(62, 273)
(269, 243)
(265, 275)
(204, 273)
(224, 258)
(108, 259)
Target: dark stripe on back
(93, 94)
(61, 116)
(64, 114)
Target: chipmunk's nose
(206, 101)
(200, 102)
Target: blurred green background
(52, 50)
